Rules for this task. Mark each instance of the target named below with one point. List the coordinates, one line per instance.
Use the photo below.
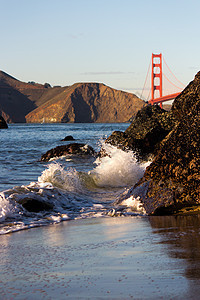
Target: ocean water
(89, 244)
(71, 187)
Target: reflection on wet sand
(182, 235)
(110, 258)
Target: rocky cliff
(81, 102)
(171, 184)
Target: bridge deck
(163, 99)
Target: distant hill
(82, 102)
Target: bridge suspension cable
(183, 85)
(171, 82)
(148, 72)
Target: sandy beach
(104, 258)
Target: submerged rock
(150, 126)
(74, 148)
(172, 181)
(35, 205)
(3, 124)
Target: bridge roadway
(163, 99)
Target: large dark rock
(74, 148)
(150, 126)
(3, 123)
(171, 184)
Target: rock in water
(74, 148)
(172, 182)
(35, 205)
(68, 138)
(150, 126)
(3, 123)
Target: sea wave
(117, 169)
(62, 193)
(61, 178)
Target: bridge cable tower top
(157, 82)
(157, 91)
(156, 76)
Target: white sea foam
(7, 208)
(118, 169)
(60, 178)
(134, 204)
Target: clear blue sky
(111, 41)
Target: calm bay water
(103, 250)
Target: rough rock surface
(150, 126)
(3, 123)
(171, 184)
(74, 148)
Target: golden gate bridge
(157, 93)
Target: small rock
(35, 205)
(68, 138)
(74, 148)
(3, 124)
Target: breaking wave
(117, 169)
(62, 193)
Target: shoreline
(100, 258)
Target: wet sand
(104, 258)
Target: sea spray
(60, 178)
(117, 169)
(7, 209)
(133, 204)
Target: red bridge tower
(156, 76)
(157, 82)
